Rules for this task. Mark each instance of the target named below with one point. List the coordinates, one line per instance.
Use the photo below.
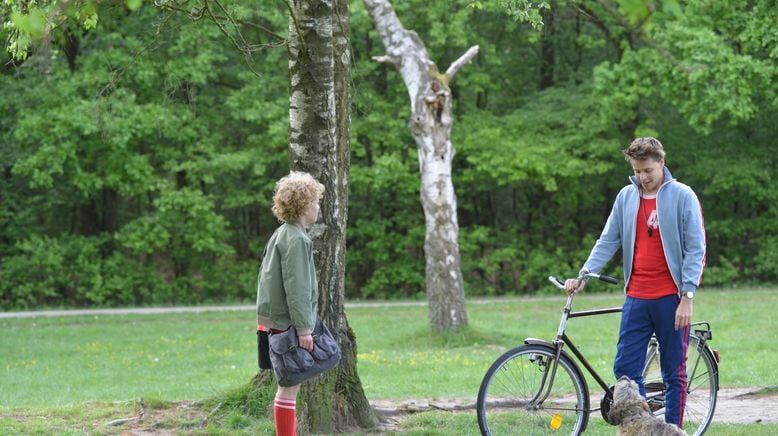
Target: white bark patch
(412, 76)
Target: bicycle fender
(712, 357)
(535, 341)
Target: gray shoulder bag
(293, 365)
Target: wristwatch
(689, 294)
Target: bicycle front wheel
(525, 392)
(701, 387)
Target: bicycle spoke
(701, 378)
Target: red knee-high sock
(284, 414)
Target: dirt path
(733, 406)
(747, 405)
(202, 309)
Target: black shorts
(263, 350)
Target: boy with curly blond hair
(288, 293)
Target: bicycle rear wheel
(701, 389)
(522, 394)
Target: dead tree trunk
(319, 130)
(430, 126)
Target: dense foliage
(139, 156)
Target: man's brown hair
(645, 148)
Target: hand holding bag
(293, 365)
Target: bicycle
(538, 388)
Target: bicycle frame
(558, 345)
(579, 355)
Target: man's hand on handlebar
(573, 286)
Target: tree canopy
(139, 151)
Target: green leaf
(673, 7)
(32, 24)
(635, 10)
(134, 4)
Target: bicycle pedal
(659, 399)
(656, 403)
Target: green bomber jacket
(287, 290)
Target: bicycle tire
(702, 384)
(505, 398)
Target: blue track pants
(639, 320)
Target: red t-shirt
(650, 278)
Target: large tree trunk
(320, 120)
(430, 125)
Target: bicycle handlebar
(608, 279)
(586, 276)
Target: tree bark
(319, 132)
(430, 125)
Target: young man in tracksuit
(657, 222)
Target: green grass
(71, 360)
(67, 374)
(74, 419)
(422, 365)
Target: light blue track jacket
(680, 224)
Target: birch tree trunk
(430, 125)
(319, 131)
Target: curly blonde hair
(293, 194)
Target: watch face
(689, 294)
